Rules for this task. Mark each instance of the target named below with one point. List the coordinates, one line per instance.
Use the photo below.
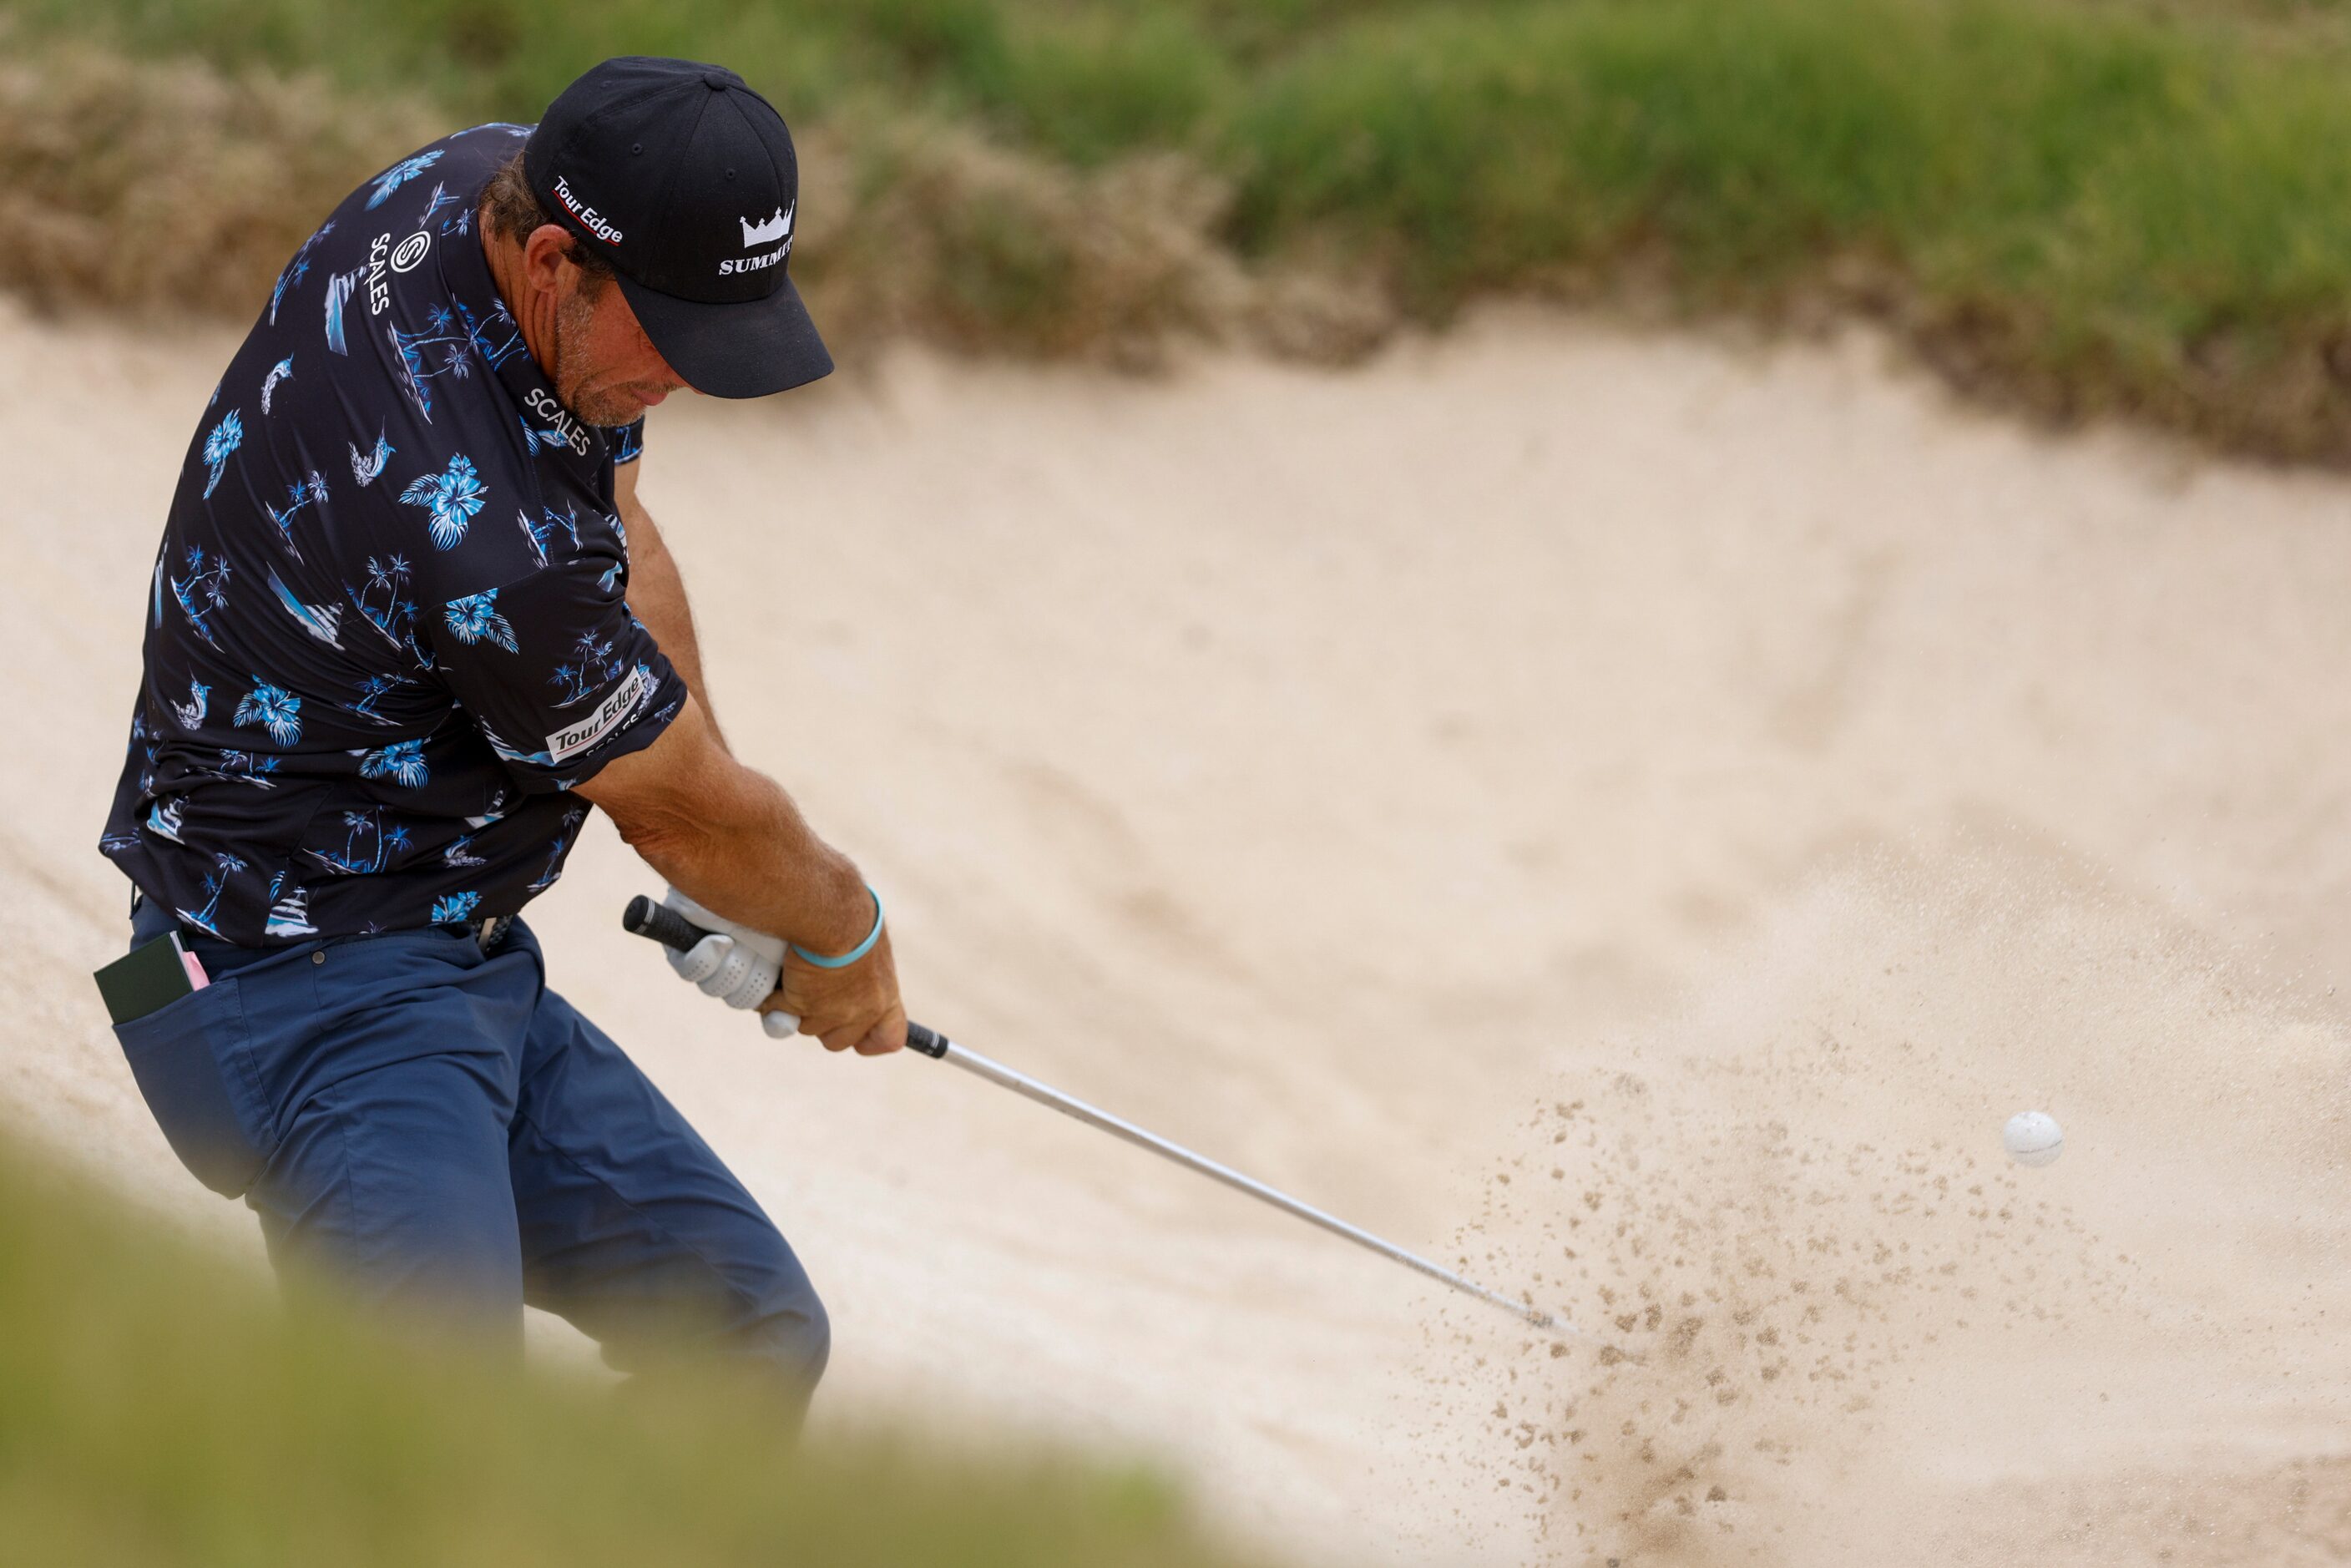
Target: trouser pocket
(193, 1063)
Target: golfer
(409, 624)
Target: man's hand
(856, 1008)
(730, 840)
(734, 963)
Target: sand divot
(1863, 1330)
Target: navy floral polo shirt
(388, 630)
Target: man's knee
(788, 1330)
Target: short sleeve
(628, 443)
(558, 675)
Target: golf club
(645, 917)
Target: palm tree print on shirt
(400, 174)
(274, 709)
(596, 669)
(452, 908)
(451, 498)
(300, 494)
(247, 768)
(373, 690)
(460, 853)
(415, 369)
(204, 589)
(278, 373)
(215, 881)
(403, 762)
(445, 346)
(225, 437)
(496, 340)
(476, 619)
(396, 615)
(384, 842)
(571, 820)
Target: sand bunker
(1734, 780)
(1858, 1332)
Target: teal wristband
(855, 953)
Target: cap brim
(746, 349)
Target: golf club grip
(665, 926)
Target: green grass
(2138, 204)
(158, 1408)
(2128, 187)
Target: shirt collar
(465, 270)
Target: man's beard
(574, 320)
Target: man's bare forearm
(755, 860)
(730, 838)
(657, 598)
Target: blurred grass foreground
(2081, 205)
(158, 1408)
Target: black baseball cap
(684, 179)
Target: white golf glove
(734, 963)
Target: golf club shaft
(1021, 1084)
(646, 918)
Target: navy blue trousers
(435, 1130)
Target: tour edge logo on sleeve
(594, 222)
(778, 227)
(572, 740)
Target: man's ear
(545, 256)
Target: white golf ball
(2034, 1138)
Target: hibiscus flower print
(450, 498)
(476, 619)
(403, 762)
(451, 908)
(274, 709)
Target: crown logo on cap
(777, 227)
